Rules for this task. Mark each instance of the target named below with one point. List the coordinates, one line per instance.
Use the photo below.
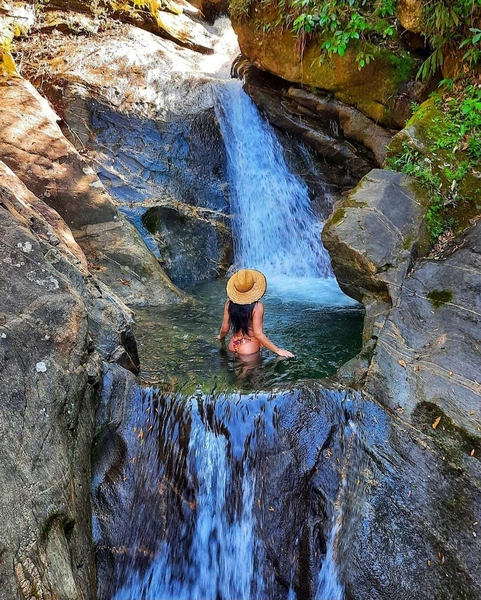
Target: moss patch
(337, 217)
(440, 147)
(440, 297)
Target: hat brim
(255, 293)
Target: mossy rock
(426, 139)
(374, 89)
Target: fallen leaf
(140, 434)
(402, 363)
(125, 281)
(271, 509)
(436, 423)
(472, 412)
(472, 452)
(416, 367)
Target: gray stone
(57, 323)
(195, 245)
(46, 425)
(435, 329)
(373, 236)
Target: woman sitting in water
(244, 314)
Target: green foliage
(337, 23)
(239, 9)
(448, 27)
(440, 297)
(453, 140)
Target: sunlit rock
(376, 90)
(34, 147)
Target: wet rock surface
(411, 515)
(195, 245)
(294, 450)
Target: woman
(244, 314)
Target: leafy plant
(448, 27)
(337, 23)
(453, 139)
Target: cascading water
(209, 506)
(218, 498)
(209, 549)
(275, 229)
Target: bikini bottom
(238, 341)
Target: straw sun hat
(246, 286)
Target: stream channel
(230, 477)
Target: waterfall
(209, 483)
(206, 547)
(274, 228)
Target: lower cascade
(221, 498)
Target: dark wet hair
(240, 316)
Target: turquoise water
(177, 344)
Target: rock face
(422, 316)
(378, 89)
(36, 150)
(49, 307)
(373, 237)
(428, 352)
(153, 148)
(410, 515)
(195, 245)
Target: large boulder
(47, 404)
(422, 316)
(428, 352)
(57, 324)
(380, 89)
(195, 244)
(373, 236)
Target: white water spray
(274, 228)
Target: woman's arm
(224, 328)
(258, 327)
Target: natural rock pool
(312, 318)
